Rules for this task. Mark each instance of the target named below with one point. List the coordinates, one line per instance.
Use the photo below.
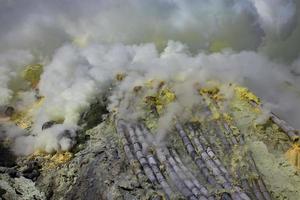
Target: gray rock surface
(99, 170)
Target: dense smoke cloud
(44, 25)
(83, 45)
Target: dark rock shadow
(7, 158)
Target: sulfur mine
(150, 100)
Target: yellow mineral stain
(162, 97)
(50, 161)
(23, 118)
(244, 94)
(293, 155)
(60, 158)
(32, 74)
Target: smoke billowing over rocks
(59, 60)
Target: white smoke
(196, 23)
(11, 64)
(276, 17)
(83, 45)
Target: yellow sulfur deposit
(244, 94)
(50, 161)
(162, 97)
(210, 90)
(23, 118)
(60, 158)
(227, 117)
(165, 97)
(213, 91)
(32, 74)
(293, 155)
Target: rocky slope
(211, 154)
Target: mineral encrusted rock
(209, 156)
